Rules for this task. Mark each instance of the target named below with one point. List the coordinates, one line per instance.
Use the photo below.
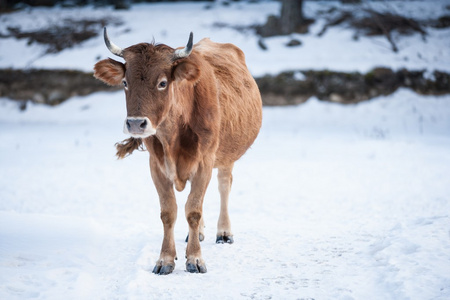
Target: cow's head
(147, 77)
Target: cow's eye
(162, 85)
(125, 84)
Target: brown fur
(126, 147)
(207, 117)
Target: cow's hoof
(201, 237)
(227, 239)
(163, 270)
(197, 267)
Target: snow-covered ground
(331, 202)
(171, 24)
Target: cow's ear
(109, 71)
(186, 70)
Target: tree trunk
(291, 16)
(290, 20)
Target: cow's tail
(126, 147)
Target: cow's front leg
(166, 262)
(194, 210)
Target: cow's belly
(238, 134)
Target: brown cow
(194, 109)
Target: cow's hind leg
(224, 234)
(166, 262)
(201, 229)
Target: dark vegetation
(66, 35)
(362, 19)
(292, 87)
(10, 5)
(50, 87)
(55, 86)
(375, 23)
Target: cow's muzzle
(138, 127)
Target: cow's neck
(189, 131)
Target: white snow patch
(299, 76)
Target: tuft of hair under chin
(126, 147)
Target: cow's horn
(182, 53)
(116, 50)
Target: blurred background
(340, 51)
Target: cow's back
(239, 98)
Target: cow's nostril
(136, 125)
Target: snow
(171, 24)
(331, 202)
